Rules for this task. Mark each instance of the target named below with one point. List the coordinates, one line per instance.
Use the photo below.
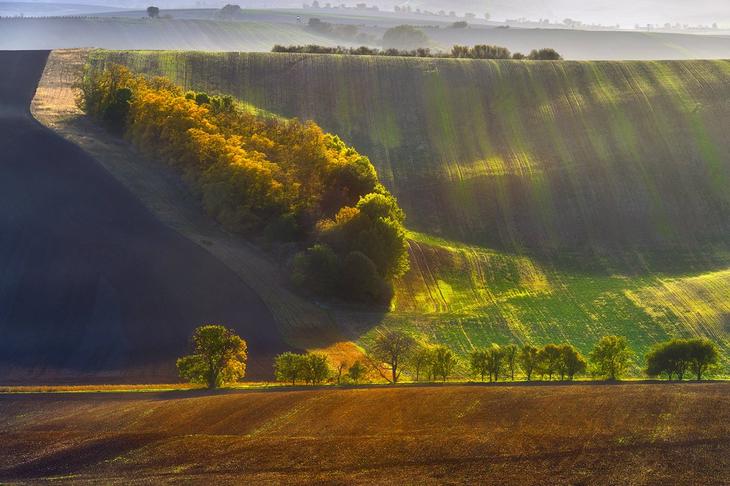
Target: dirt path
(92, 286)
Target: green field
(549, 201)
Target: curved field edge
(467, 296)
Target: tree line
(285, 181)
(219, 356)
(481, 51)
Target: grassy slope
(628, 434)
(572, 199)
(139, 33)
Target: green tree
(528, 360)
(571, 362)
(670, 358)
(315, 368)
(549, 358)
(356, 372)
(611, 357)
(442, 362)
(702, 354)
(153, 12)
(495, 361)
(289, 367)
(479, 363)
(316, 270)
(391, 349)
(510, 359)
(420, 359)
(219, 356)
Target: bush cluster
(481, 51)
(263, 175)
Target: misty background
(626, 13)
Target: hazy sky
(609, 12)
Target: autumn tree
(528, 360)
(611, 357)
(390, 349)
(219, 356)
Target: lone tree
(392, 349)
(153, 12)
(611, 356)
(527, 358)
(219, 356)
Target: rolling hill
(549, 201)
(93, 286)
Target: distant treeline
(288, 182)
(457, 52)
(219, 356)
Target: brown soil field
(571, 434)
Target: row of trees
(219, 356)
(481, 51)
(266, 176)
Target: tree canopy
(219, 356)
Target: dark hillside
(90, 283)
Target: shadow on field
(91, 283)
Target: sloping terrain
(143, 33)
(536, 155)
(553, 201)
(530, 435)
(92, 285)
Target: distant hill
(145, 33)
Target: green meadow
(548, 201)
